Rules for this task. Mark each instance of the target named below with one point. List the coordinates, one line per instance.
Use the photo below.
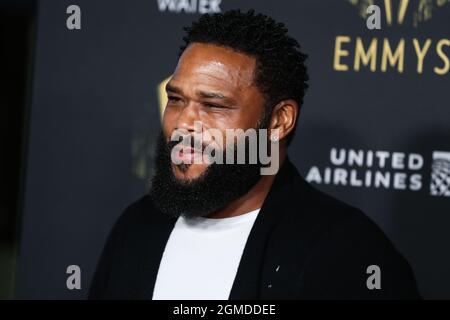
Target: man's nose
(187, 117)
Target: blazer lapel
(159, 232)
(248, 279)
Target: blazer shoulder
(323, 208)
(135, 232)
(344, 239)
(138, 207)
(338, 221)
(355, 248)
(139, 212)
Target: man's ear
(284, 117)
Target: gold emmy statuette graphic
(421, 10)
(382, 53)
(161, 94)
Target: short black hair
(280, 65)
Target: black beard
(215, 188)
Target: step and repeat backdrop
(374, 130)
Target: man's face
(213, 85)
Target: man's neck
(250, 201)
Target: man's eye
(173, 99)
(213, 105)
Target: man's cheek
(167, 132)
(167, 123)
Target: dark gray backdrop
(94, 120)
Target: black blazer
(304, 245)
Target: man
(225, 231)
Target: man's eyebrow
(171, 88)
(203, 94)
(215, 95)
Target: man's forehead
(214, 63)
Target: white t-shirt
(201, 258)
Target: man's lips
(188, 154)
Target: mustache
(192, 142)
